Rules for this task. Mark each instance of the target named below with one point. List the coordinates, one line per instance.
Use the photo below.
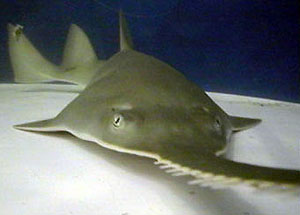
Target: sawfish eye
(118, 120)
(218, 122)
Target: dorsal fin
(125, 38)
(78, 49)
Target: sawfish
(134, 103)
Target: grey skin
(140, 105)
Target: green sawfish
(134, 103)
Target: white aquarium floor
(57, 174)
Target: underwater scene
(240, 47)
(149, 107)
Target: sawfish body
(140, 105)
(151, 100)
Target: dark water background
(248, 47)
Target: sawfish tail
(30, 66)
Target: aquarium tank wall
(238, 47)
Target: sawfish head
(146, 128)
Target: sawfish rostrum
(137, 104)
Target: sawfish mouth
(114, 147)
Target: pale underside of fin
(79, 65)
(207, 169)
(242, 123)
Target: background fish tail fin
(79, 65)
(78, 49)
(28, 65)
(80, 62)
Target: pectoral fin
(49, 125)
(241, 123)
